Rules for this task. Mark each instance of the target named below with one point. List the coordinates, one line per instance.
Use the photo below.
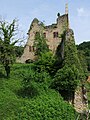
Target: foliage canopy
(40, 44)
(7, 43)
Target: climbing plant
(71, 73)
(40, 44)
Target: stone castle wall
(52, 34)
(80, 100)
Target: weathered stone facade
(80, 100)
(51, 33)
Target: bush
(45, 62)
(66, 81)
(34, 83)
(42, 103)
(8, 103)
(48, 106)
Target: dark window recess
(33, 48)
(30, 49)
(44, 34)
(55, 34)
(37, 33)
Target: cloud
(82, 12)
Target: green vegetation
(84, 56)
(66, 81)
(37, 91)
(40, 44)
(19, 51)
(85, 48)
(41, 104)
(7, 50)
(71, 74)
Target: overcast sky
(46, 10)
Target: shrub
(35, 82)
(66, 81)
(48, 106)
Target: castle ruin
(51, 33)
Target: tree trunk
(7, 69)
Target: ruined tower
(51, 33)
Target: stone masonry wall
(80, 100)
(53, 42)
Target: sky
(46, 11)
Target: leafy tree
(85, 47)
(41, 67)
(68, 77)
(45, 57)
(7, 42)
(71, 53)
(46, 62)
(19, 51)
(66, 81)
(40, 44)
(83, 61)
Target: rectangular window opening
(44, 34)
(29, 48)
(55, 34)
